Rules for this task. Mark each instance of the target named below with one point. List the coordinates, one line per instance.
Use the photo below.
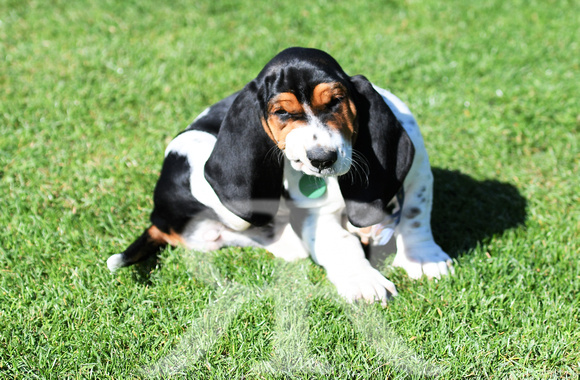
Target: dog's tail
(149, 244)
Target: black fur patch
(174, 205)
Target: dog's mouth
(318, 152)
(317, 169)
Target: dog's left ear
(388, 154)
(243, 169)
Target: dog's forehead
(300, 81)
(300, 73)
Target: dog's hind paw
(115, 262)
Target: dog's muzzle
(322, 158)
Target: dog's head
(305, 106)
(309, 112)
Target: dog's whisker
(275, 154)
(360, 168)
(355, 175)
(349, 173)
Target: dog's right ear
(388, 152)
(242, 169)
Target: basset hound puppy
(304, 160)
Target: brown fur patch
(324, 96)
(161, 238)
(286, 113)
(324, 93)
(364, 234)
(278, 124)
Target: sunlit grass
(91, 92)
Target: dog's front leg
(342, 255)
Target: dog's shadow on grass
(467, 211)
(142, 271)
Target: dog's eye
(335, 101)
(282, 113)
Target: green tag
(312, 187)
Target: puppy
(303, 161)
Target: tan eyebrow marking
(343, 118)
(324, 93)
(278, 127)
(286, 101)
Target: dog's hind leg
(174, 207)
(417, 252)
(149, 244)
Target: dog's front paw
(429, 260)
(361, 282)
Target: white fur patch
(197, 147)
(417, 252)
(330, 202)
(302, 139)
(115, 262)
(289, 246)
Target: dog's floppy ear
(242, 169)
(388, 154)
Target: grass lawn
(92, 91)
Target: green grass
(92, 91)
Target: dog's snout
(322, 158)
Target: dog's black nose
(321, 158)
